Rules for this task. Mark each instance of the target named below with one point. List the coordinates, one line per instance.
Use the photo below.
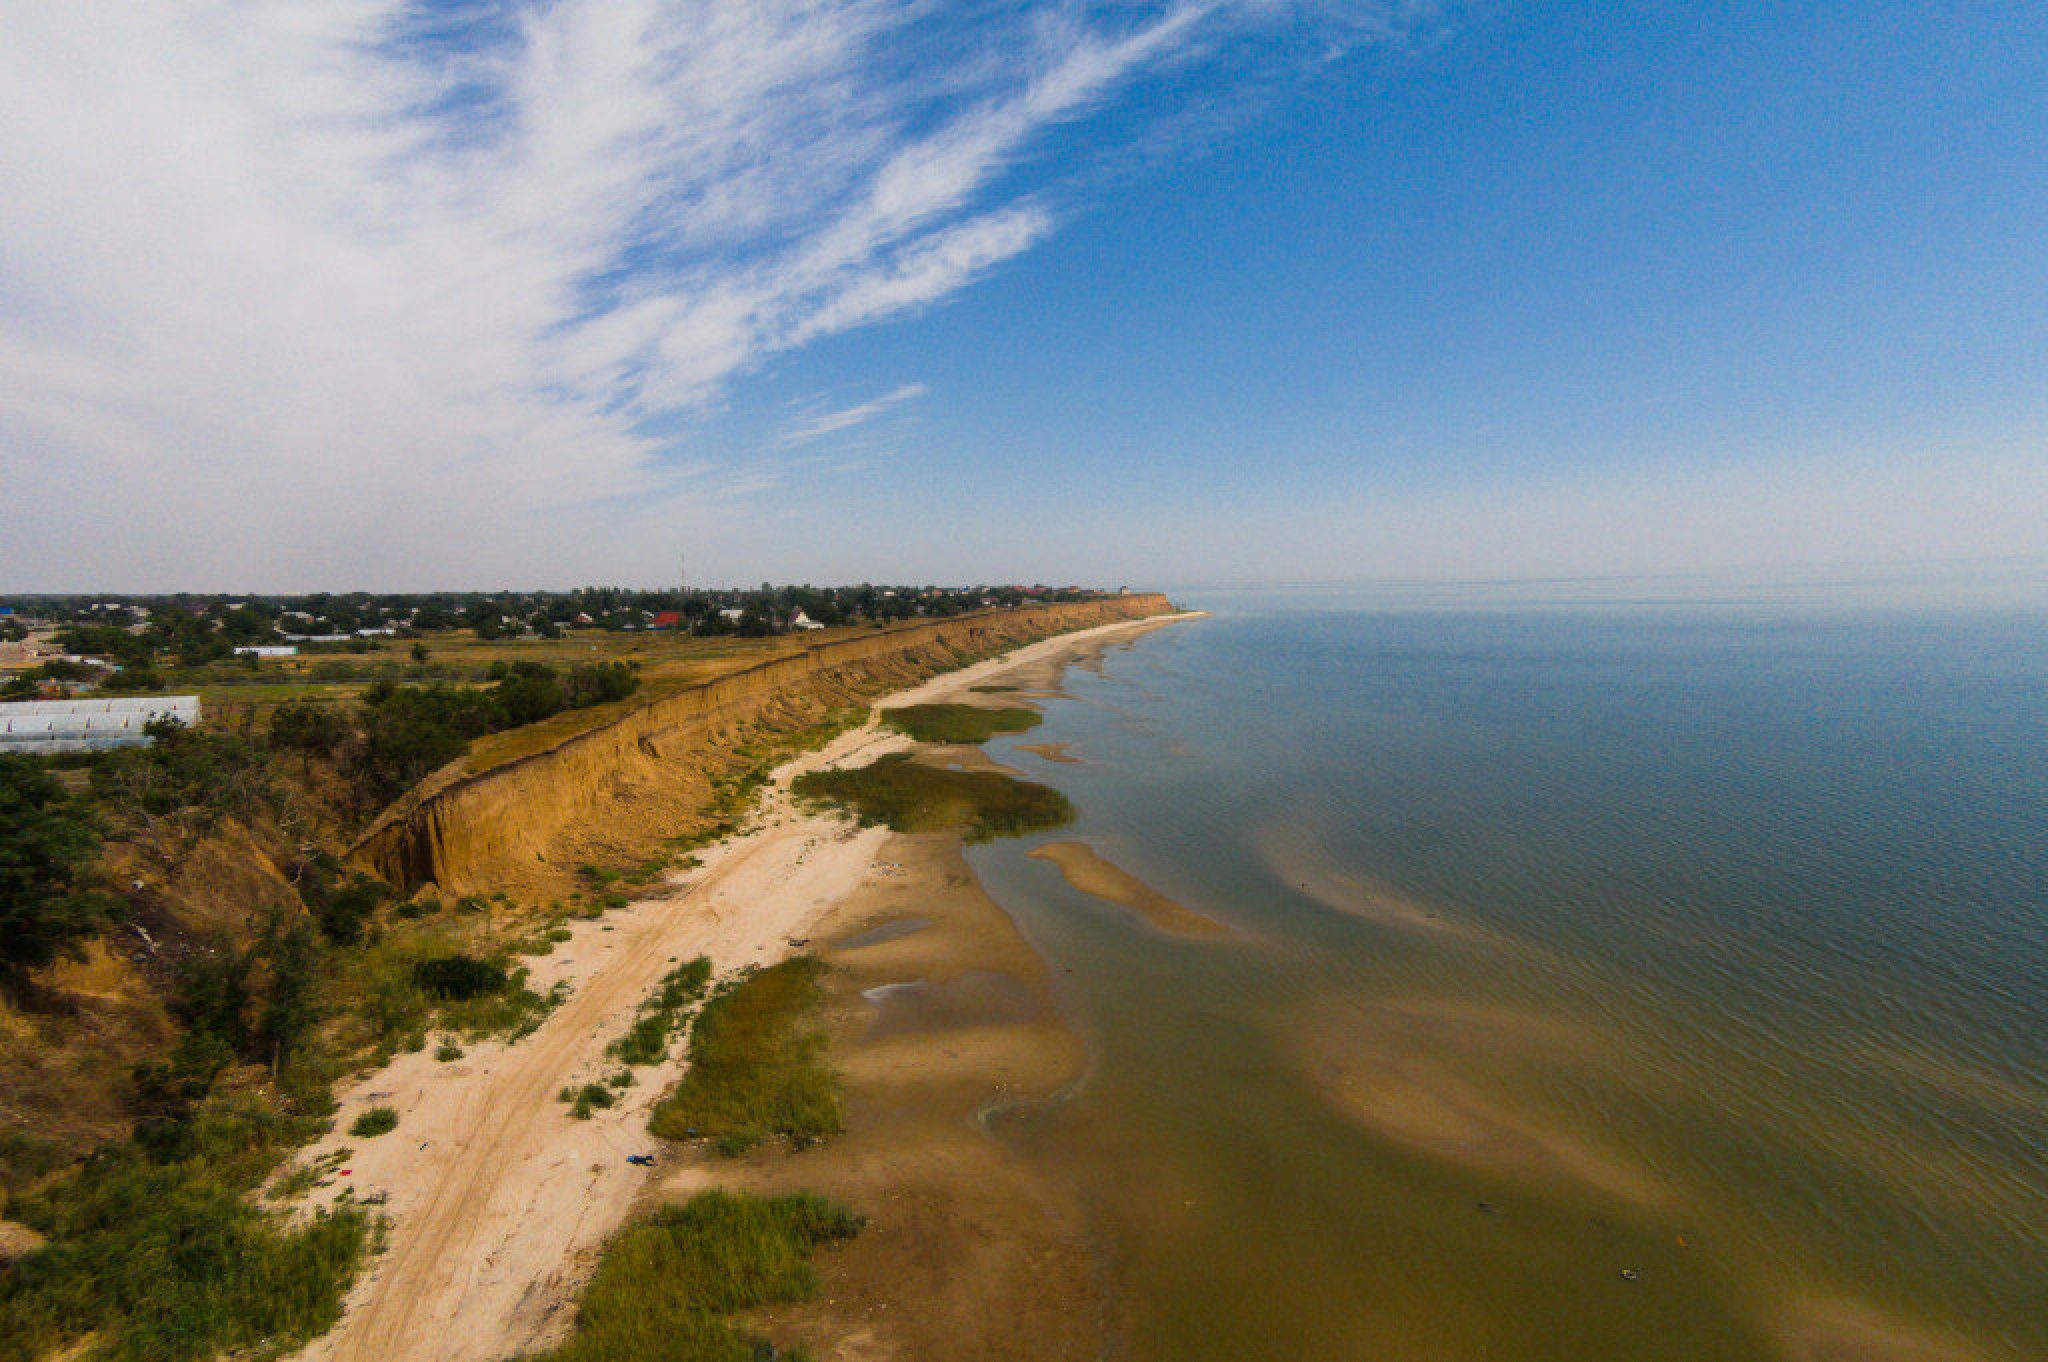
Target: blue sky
(1178, 293)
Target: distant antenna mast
(683, 574)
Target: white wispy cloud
(321, 288)
(821, 424)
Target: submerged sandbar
(1090, 872)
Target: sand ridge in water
(1089, 871)
(1050, 751)
(1396, 1072)
(1297, 858)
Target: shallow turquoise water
(1610, 982)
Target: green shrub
(457, 978)
(591, 1097)
(168, 1262)
(342, 913)
(374, 1122)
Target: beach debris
(640, 1160)
(1487, 1208)
(1629, 1274)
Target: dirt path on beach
(497, 1199)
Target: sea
(1605, 980)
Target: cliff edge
(617, 791)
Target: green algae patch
(910, 796)
(960, 723)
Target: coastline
(498, 1203)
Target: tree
(306, 727)
(291, 1010)
(48, 844)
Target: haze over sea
(1610, 981)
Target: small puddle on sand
(893, 930)
(977, 998)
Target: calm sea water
(1620, 983)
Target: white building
(268, 650)
(91, 724)
(802, 621)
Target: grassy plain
(666, 662)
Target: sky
(361, 294)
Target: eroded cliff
(615, 792)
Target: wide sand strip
(940, 1016)
(497, 1199)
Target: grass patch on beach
(910, 796)
(667, 1286)
(163, 1257)
(646, 1041)
(391, 993)
(959, 723)
(757, 1065)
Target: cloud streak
(323, 289)
(819, 426)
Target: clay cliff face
(616, 791)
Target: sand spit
(1050, 751)
(1045, 677)
(497, 1199)
(1090, 872)
(1296, 858)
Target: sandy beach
(498, 1201)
